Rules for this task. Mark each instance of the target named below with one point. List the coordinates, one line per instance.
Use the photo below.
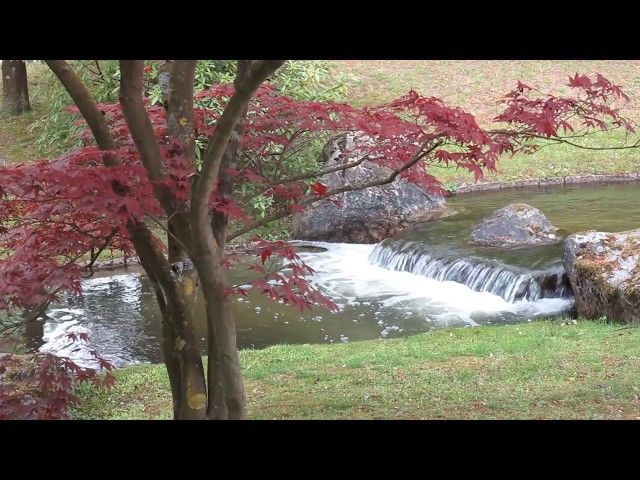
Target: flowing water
(423, 279)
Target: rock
(604, 272)
(514, 225)
(364, 216)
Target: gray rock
(369, 215)
(514, 225)
(604, 272)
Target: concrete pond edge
(550, 181)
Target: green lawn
(540, 370)
(477, 85)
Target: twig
(94, 256)
(347, 188)
(168, 232)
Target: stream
(393, 289)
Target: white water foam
(346, 275)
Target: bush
(60, 130)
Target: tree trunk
(226, 388)
(33, 318)
(176, 279)
(224, 372)
(192, 235)
(178, 84)
(15, 90)
(182, 357)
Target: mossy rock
(604, 273)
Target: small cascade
(482, 275)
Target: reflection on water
(119, 311)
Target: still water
(119, 312)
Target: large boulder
(604, 272)
(514, 225)
(363, 216)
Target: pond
(119, 310)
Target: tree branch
(159, 223)
(346, 188)
(180, 116)
(584, 147)
(87, 106)
(94, 256)
(181, 126)
(394, 174)
(558, 139)
(220, 220)
(259, 72)
(143, 134)
(138, 121)
(150, 255)
(305, 176)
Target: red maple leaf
(319, 189)
(264, 256)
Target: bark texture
(15, 89)
(196, 237)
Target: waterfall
(482, 275)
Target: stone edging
(116, 263)
(543, 182)
(119, 263)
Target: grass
(556, 161)
(474, 85)
(18, 135)
(16, 142)
(477, 85)
(539, 370)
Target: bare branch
(159, 223)
(87, 106)
(346, 188)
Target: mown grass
(539, 370)
(556, 161)
(478, 85)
